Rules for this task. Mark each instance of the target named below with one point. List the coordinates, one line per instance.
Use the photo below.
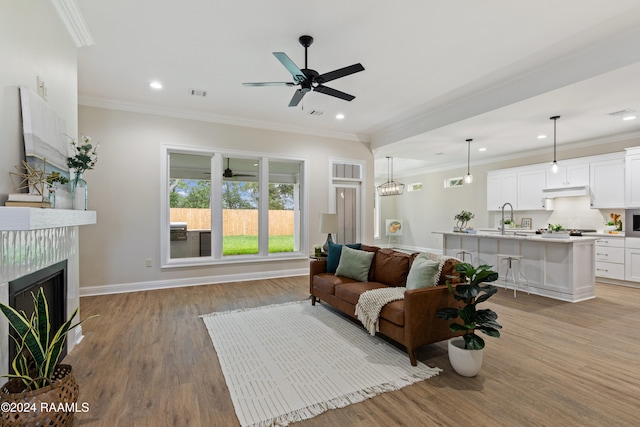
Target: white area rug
(293, 361)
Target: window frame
(217, 155)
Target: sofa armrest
(316, 266)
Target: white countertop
(528, 235)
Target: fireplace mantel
(14, 218)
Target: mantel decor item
(462, 219)
(465, 354)
(38, 381)
(84, 158)
(328, 225)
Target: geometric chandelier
(390, 188)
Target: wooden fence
(236, 222)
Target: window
(453, 182)
(224, 207)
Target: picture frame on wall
(525, 223)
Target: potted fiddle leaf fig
(465, 352)
(38, 380)
(462, 219)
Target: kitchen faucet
(503, 206)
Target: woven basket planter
(37, 408)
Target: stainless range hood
(552, 193)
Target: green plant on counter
(555, 227)
(472, 293)
(462, 219)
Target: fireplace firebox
(53, 280)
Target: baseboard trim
(120, 288)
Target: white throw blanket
(371, 302)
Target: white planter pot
(465, 362)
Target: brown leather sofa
(412, 321)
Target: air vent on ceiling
(198, 92)
(315, 113)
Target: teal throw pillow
(333, 257)
(354, 264)
(423, 273)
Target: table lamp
(328, 224)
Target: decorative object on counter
(84, 158)
(468, 178)
(465, 353)
(525, 223)
(462, 219)
(390, 188)
(615, 222)
(328, 225)
(554, 165)
(555, 227)
(38, 379)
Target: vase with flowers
(85, 156)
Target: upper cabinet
(530, 186)
(572, 175)
(607, 183)
(501, 188)
(632, 171)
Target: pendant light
(390, 188)
(468, 178)
(554, 165)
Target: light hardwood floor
(148, 361)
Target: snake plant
(37, 351)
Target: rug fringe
(345, 400)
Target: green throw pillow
(335, 250)
(423, 273)
(354, 264)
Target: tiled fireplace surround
(30, 240)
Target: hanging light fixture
(468, 178)
(554, 165)
(390, 188)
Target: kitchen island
(559, 267)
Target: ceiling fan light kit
(390, 188)
(308, 79)
(554, 165)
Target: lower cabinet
(632, 265)
(610, 258)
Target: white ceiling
(436, 72)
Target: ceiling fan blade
(295, 71)
(336, 74)
(297, 97)
(332, 92)
(269, 84)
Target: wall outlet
(148, 262)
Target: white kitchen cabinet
(607, 184)
(632, 259)
(530, 186)
(610, 258)
(632, 181)
(571, 175)
(501, 188)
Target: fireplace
(53, 280)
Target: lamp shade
(328, 223)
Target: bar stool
(510, 259)
(461, 255)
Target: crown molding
(72, 18)
(214, 118)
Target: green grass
(247, 245)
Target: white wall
(33, 42)
(124, 189)
(433, 208)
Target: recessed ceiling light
(339, 116)
(630, 116)
(482, 149)
(156, 85)
(542, 136)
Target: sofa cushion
(333, 257)
(391, 267)
(393, 312)
(354, 264)
(423, 273)
(326, 282)
(350, 292)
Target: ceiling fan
(228, 173)
(309, 79)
